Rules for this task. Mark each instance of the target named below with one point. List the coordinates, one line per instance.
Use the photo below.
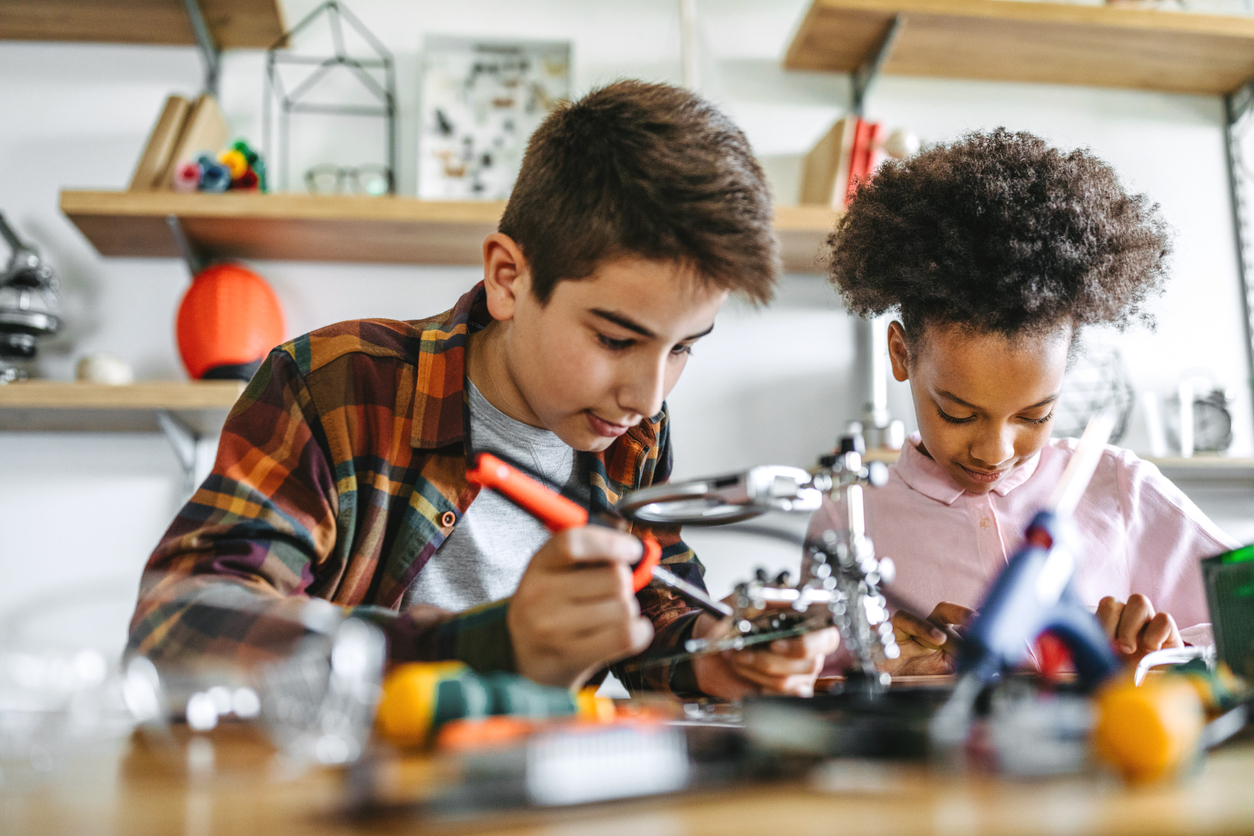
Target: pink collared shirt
(1137, 532)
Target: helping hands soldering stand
(839, 582)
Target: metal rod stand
(1237, 108)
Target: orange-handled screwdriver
(558, 513)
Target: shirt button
(985, 523)
(447, 519)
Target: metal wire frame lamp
(295, 100)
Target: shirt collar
(930, 479)
(440, 358)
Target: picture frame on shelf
(480, 102)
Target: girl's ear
(899, 351)
(506, 275)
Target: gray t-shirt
(485, 556)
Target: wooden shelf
(234, 24)
(42, 405)
(802, 233)
(1207, 467)
(301, 227)
(1202, 467)
(1053, 43)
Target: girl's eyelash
(951, 419)
(681, 349)
(613, 344)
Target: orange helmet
(228, 321)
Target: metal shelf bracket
(209, 51)
(185, 442)
(192, 257)
(869, 70)
(1239, 112)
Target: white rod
(1076, 476)
(688, 43)
(879, 372)
(1186, 419)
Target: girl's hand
(925, 647)
(1135, 628)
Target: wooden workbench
(131, 788)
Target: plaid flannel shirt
(340, 472)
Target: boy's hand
(575, 610)
(786, 666)
(1135, 628)
(925, 648)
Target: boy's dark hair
(999, 232)
(647, 170)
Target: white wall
(768, 386)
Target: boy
(341, 471)
(996, 251)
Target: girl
(995, 251)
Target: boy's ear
(898, 351)
(506, 275)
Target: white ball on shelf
(104, 368)
(902, 143)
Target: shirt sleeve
(234, 572)
(1168, 537)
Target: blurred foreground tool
(1151, 731)
(422, 697)
(1034, 593)
(1229, 581)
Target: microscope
(28, 304)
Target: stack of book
(841, 161)
(184, 130)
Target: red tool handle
(554, 510)
(551, 508)
(643, 573)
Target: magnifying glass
(719, 500)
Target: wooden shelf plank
(1202, 467)
(1052, 43)
(234, 24)
(43, 406)
(1207, 467)
(397, 230)
(802, 233)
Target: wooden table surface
(133, 788)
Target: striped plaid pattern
(340, 472)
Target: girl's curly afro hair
(999, 232)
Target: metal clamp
(718, 500)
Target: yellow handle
(407, 705)
(1148, 732)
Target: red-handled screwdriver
(558, 513)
